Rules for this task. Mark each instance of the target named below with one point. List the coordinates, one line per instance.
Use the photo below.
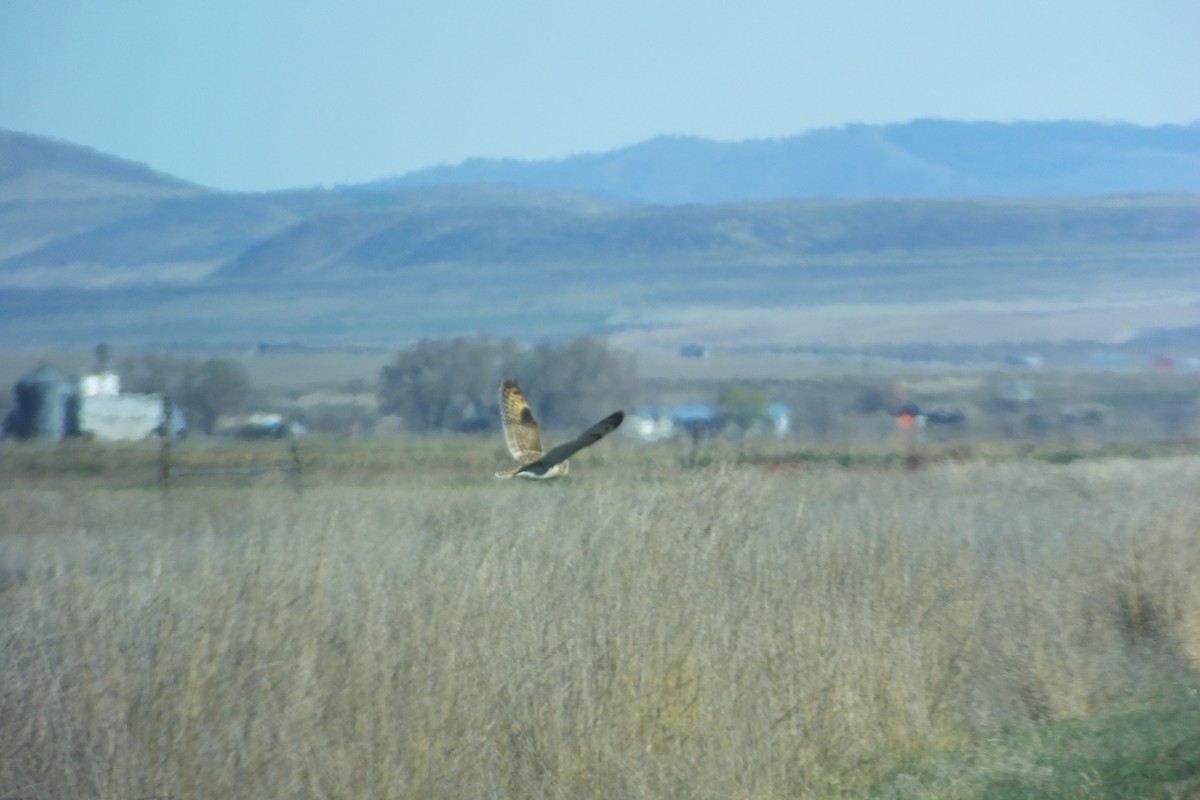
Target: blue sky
(273, 94)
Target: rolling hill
(925, 158)
(93, 247)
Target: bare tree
(573, 384)
(159, 373)
(204, 390)
(451, 384)
(218, 386)
(439, 384)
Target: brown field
(409, 627)
(1112, 317)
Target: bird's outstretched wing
(562, 452)
(520, 428)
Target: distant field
(1031, 323)
(653, 626)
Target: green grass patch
(1147, 752)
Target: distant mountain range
(94, 247)
(925, 158)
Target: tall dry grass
(724, 632)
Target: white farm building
(51, 406)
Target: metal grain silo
(47, 405)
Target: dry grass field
(640, 630)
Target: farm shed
(125, 417)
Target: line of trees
(434, 385)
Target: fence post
(164, 448)
(297, 467)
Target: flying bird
(525, 439)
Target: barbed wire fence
(168, 472)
